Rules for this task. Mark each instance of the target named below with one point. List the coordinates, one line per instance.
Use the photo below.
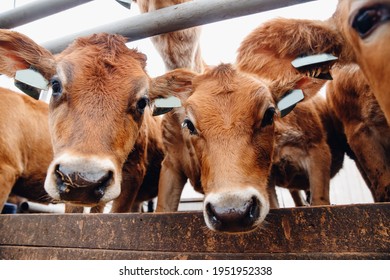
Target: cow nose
(234, 219)
(82, 187)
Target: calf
(99, 118)
(25, 147)
(354, 112)
(365, 127)
(268, 52)
(309, 151)
(234, 151)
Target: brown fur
(181, 161)
(365, 127)
(269, 50)
(306, 153)
(287, 39)
(358, 115)
(207, 99)
(230, 150)
(371, 53)
(179, 49)
(96, 115)
(25, 147)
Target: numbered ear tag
(288, 102)
(315, 66)
(164, 105)
(125, 3)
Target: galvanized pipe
(36, 10)
(189, 14)
(33, 207)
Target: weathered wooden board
(335, 232)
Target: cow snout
(85, 187)
(235, 212)
(237, 219)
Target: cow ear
(18, 52)
(170, 90)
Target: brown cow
(316, 37)
(365, 127)
(233, 146)
(99, 120)
(364, 26)
(179, 49)
(25, 147)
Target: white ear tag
(288, 102)
(32, 78)
(315, 66)
(164, 105)
(125, 3)
(30, 82)
(313, 60)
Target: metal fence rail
(189, 14)
(36, 10)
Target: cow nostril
(213, 215)
(99, 192)
(254, 209)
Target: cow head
(229, 118)
(99, 97)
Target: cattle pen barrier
(331, 232)
(360, 231)
(189, 14)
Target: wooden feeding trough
(332, 232)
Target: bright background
(219, 43)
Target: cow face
(99, 96)
(229, 121)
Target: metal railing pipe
(189, 14)
(36, 10)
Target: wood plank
(352, 230)
(48, 253)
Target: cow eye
(190, 126)
(368, 18)
(142, 103)
(268, 117)
(56, 87)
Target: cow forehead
(83, 65)
(93, 71)
(100, 56)
(238, 92)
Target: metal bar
(36, 10)
(189, 14)
(33, 207)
